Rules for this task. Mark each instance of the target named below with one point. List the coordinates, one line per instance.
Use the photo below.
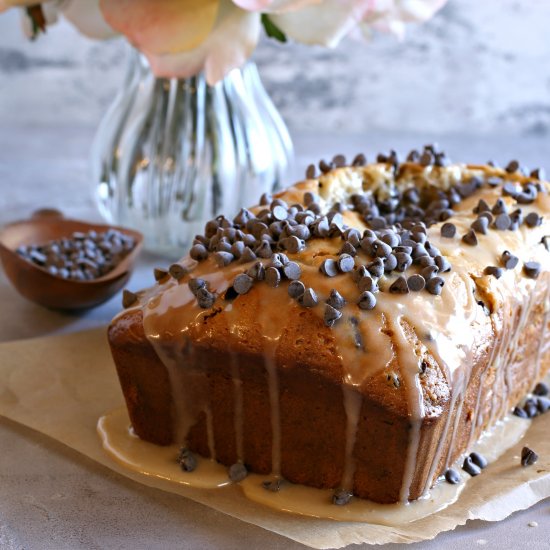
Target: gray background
(479, 67)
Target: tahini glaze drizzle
(171, 315)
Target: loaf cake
(358, 331)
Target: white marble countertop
(52, 497)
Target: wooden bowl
(36, 284)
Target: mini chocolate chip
(541, 389)
(198, 252)
(510, 189)
(265, 199)
(381, 249)
(416, 282)
(128, 298)
(367, 300)
(329, 267)
(292, 271)
(470, 467)
(264, 250)
(481, 225)
(272, 276)
(331, 315)
(508, 260)
(310, 172)
(243, 283)
(273, 486)
(531, 408)
(512, 166)
(399, 286)
(443, 264)
(499, 207)
(296, 289)
(367, 283)
(425, 261)
(196, 284)
(257, 271)
(493, 270)
(452, 476)
(378, 222)
(348, 248)
(532, 269)
(502, 222)
(403, 261)
(187, 460)
(426, 158)
(359, 160)
(390, 263)
(279, 213)
(159, 274)
(223, 258)
(336, 300)
(448, 230)
(237, 472)
(376, 268)
(478, 460)
(543, 404)
(177, 271)
(308, 298)
(247, 255)
(519, 412)
(533, 219)
(528, 456)
(345, 263)
(470, 238)
(205, 298)
(429, 271)
(435, 285)
(341, 497)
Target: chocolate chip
(349, 249)
(159, 274)
(429, 271)
(492, 270)
(543, 404)
(198, 252)
(399, 286)
(512, 166)
(177, 271)
(479, 460)
(367, 300)
(502, 222)
(345, 263)
(470, 238)
(541, 389)
(247, 255)
(243, 283)
(308, 298)
(532, 269)
(367, 283)
(531, 408)
(341, 497)
(528, 456)
(390, 263)
(331, 315)
(510, 189)
(187, 460)
(359, 160)
(336, 300)
(292, 271)
(257, 271)
(443, 264)
(377, 223)
(329, 268)
(416, 282)
(273, 486)
(508, 260)
(128, 298)
(533, 219)
(237, 472)
(519, 412)
(470, 467)
(196, 284)
(481, 225)
(435, 285)
(448, 230)
(272, 276)
(452, 477)
(296, 289)
(403, 261)
(223, 258)
(205, 298)
(264, 250)
(310, 172)
(376, 268)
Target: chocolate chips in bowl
(67, 264)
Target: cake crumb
(482, 542)
(533, 524)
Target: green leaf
(272, 30)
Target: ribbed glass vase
(171, 154)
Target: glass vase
(171, 154)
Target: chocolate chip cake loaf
(359, 331)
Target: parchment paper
(61, 385)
